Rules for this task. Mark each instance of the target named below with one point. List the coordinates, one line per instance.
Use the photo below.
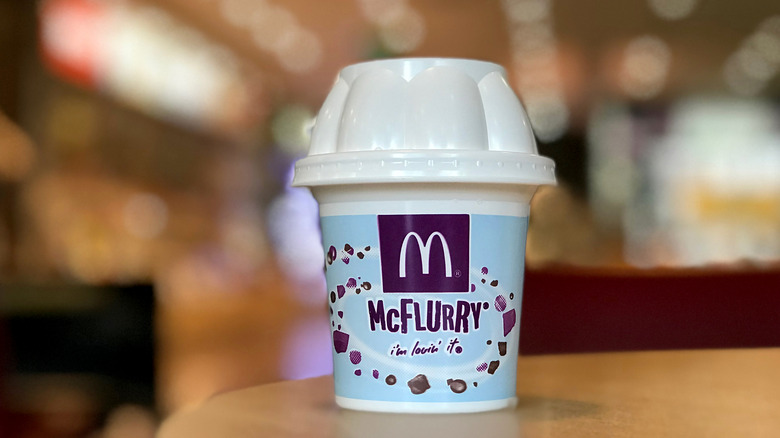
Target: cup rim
(410, 67)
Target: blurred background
(152, 253)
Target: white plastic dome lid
(422, 120)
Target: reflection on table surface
(673, 393)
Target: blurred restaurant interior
(152, 253)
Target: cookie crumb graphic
(331, 256)
(418, 384)
(457, 385)
(390, 380)
(502, 348)
(493, 366)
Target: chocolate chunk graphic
(483, 281)
(457, 385)
(494, 283)
(348, 249)
(341, 313)
(368, 248)
(493, 366)
(366, 285)
(390, 380)
(502, 348)
(509, 321)
(489, 342)
(512, 296)
(340, 289)
(360, 255)
(340, 341)
(418, 384)
(332, 297)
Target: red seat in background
(578, 310)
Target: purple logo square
(424, 252)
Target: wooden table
(707, 393)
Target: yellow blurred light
(17, 153)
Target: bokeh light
(756, 62)
(645, 67)
(294, 233)
(535, 64)
(239, 12)
(291, 128)
(270, 26)
(672, 9)
(400, 28)
(527, 11)
(300, 51)
(145, 215)
(548, 113)
(403, 31)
